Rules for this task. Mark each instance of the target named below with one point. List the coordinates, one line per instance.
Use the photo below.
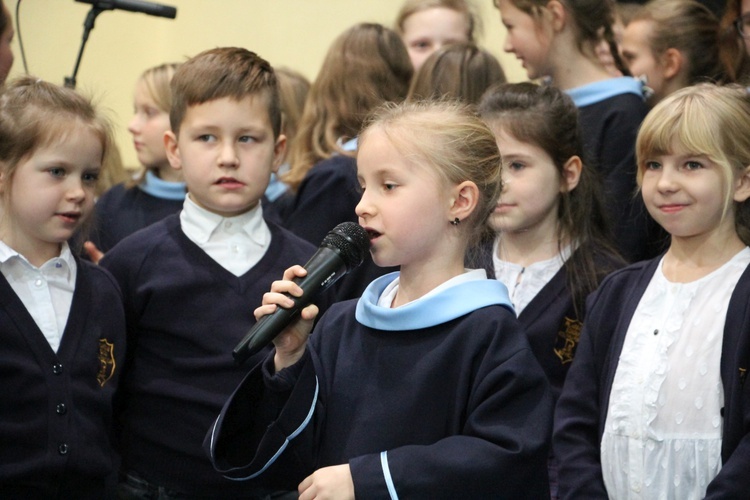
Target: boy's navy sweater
(121, 211)
(441, 399)
(185, 315)
(582, 409)
(56, 408)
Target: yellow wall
(293, 33)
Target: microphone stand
(88, 25)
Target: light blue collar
(430, 310)
(276, 187)
(592, 93)
(166, 190)
(349, 146)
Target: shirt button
(57, 369)
(61, 409)
(235, 249)
(38, 282)
(227, 224)
(62, 449)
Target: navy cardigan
(582, 409)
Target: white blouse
(524, 283)
(46, 291)
(662, 436)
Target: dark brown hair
(593, 21)
(547, 117)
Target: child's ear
(464, 200)
(279, 152)
(557, 14)
(672, 62)
(571, 174)
(173, 152)
(742, 186)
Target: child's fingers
(294, 272)
(94, 253)
(264, 310)
(309, 313)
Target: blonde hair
(293, 90)
(449, 138)
(704, 119)
(365, 66)
(465, 7)
(35, 114)
(460, 71)
(157, 81)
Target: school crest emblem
(106, 361)
(567, 340)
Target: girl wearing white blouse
(655, 404)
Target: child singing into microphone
(425, 387)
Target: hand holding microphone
(343, 249)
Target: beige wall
(293, 33)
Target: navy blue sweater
(610, 116)
(185, 314)
(122, 211)
(438, 399)
(56, 408)
(551, 322)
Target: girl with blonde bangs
(657, 391)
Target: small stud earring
(456, 221)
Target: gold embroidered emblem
(106, 361)
(569, 337)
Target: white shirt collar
(200, 225)
(65, 262)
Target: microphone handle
(323, 269)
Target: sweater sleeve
(577, 415)
(582, 408)
(264, 430)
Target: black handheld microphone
(150, 8)
(343, 249)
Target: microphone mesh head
(351, 241)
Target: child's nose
(363, 208)
(228, 156)
(134, 125)
(76, 192)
